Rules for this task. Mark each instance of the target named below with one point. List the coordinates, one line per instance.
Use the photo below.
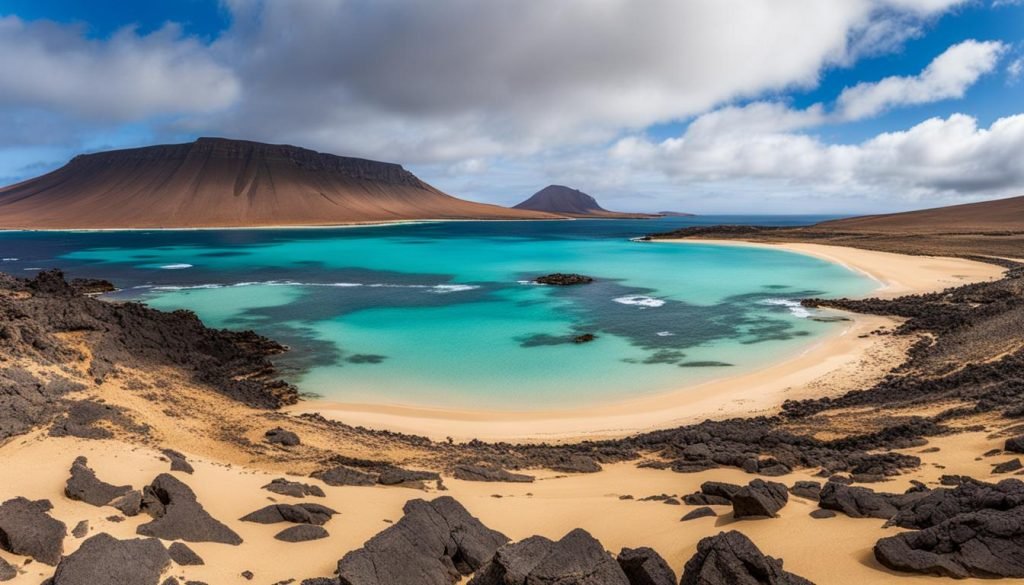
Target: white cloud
(948, 76)
(938, 157)
(1014, 70)
(51, 67)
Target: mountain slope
(1000, 215)
(217, 182)
(562, 200)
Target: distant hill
(1000, 215)
(218, 182)
(562, 200)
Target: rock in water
(560, 279)
(577, 559)
(760, 498)
(984, 544)
(104, 559)
(178, 516)
(294, 489)
(294, 513)
(302, 533)
(496, 474)
(84, 486)
(27, 529)
(730, 558)
(644, 566)
(435, 543)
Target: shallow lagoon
(443, 314)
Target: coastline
(835, 364)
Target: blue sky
(696, 106)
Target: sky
(704, 106)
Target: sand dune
(215, 182)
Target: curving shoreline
(836, 364)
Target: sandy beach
(551, 506)
(849, 357)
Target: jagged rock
(861, 502)
(84, 486)
(80, 417)
(320, 581)
(730, 558)
(988, 543)
(433, 544)
(720, 489)
(398, 476)
(27, 529)
(644, 566)
(578, 559)
(1014, 444)
(495, 474)
(293, 488)
(969, 495)
(702, 512)
(699, 499)
(577, 464)
(759, 498)
(183, 555)
(7, 570)
(170, 581)
(342, 476)
(302, 533)
(810, 490)
(178, 516)
(560, 279)
(178, 461)
(294, 513)
(1008, 466)
(80, 529)
(105, 559)
(821, 514)
(279, 436)
(248, 575)
(129, 504)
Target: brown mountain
(562, 200)
(1000, 215)
(216, 182)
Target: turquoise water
(444, 315)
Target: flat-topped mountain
(562, 200)
(217, 182)
(1000, 215)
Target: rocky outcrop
(759, 499)
(294, 489)
(26, 528)
(26, 401)
(294, 513)
(7, 571)
(644, 566)
(363, 472)
(562, 279)
(183, 555)
(105, 559)
(342, 475)
(434, 543)
(730, 558)
(302, 533)
(577, 558)
(940, 505)
(489, 474)
(129, 504)
(862, 502)
(279, 436)
(702, 512)
(178, 516)
(84, 486)
(988, 543)
(810, 490)
(178, 461)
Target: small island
(560, 279)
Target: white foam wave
(175, 266)
(435, 288)
(664, 334)
(795, 308)
(640, 301)
(10, 259)
(450, 288)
